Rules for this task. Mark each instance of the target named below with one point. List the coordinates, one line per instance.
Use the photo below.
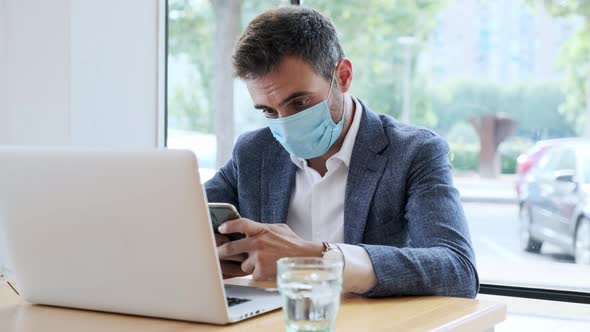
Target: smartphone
(222, 212)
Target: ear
(344, 74)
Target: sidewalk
(479, 190)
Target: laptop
(117, 231)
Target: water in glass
(311, 294)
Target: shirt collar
(345, 152)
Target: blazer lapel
(277, 181)
(365, 171)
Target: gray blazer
(400, 203)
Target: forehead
(292, 75)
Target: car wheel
(527, 242)
(582, 242)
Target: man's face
(292, 88)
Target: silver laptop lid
(119, 231)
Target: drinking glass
(310, 288)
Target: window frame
(485, 288)
(536, 293)
(165, 74)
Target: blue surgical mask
(309, 133)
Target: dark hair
(287, 31)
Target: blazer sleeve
(223, 187)
(440, 259)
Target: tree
(461, 100)
(196, 28)
(575, 59)
(227, 29)
(187, 109)
(190, 37)
(369, 34)
(493, 110)
(534, 105)
(480, 103)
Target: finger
(259, 275)
(231, 270)
(243, 225)
(220, 239)
(248, 265)
(236, 258)
(233, 248)
(263, 269)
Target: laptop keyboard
(232, 301)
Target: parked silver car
(555, 201)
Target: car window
(566, 160)
(549, 162)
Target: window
(201, 91)
(586, 166)
(549, 162)
(497, 79)
(567, 160)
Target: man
(330, 176)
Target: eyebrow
(286, 100)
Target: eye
(300, 103)
(269, 112)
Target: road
(494, 231)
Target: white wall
(3, 112)
(36, 82)
(81, 72)
(113, 83)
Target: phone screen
(221, 213)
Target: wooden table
(356, 314)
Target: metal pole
(407, 42)
(407, 85)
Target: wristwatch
(333, 251)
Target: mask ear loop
(331, 84)
(330, 93)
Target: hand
(264, 245)
(230, 266)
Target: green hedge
(509, 154)
(465, 157)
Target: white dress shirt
(316, 209)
